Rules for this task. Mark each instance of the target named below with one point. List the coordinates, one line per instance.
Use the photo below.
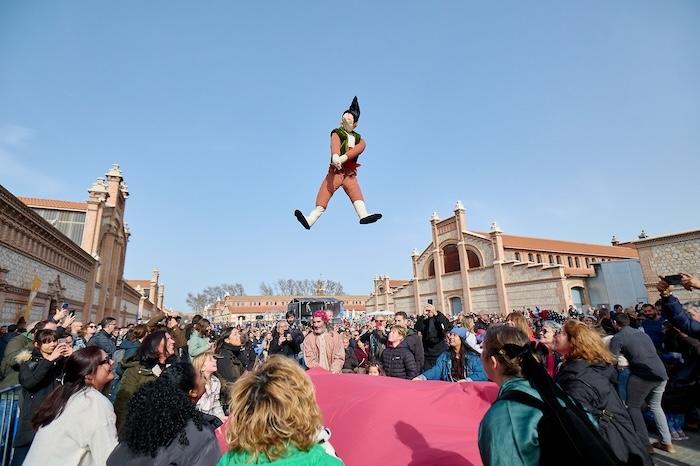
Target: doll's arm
(353, 153)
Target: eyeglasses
(106, 361)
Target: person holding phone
(672, 308)
(39, 374)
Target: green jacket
(9, 367)
(508, 431)
(135, 375)
(316, 456)
(197, 344)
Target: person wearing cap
(346, 147)
(433, 326)
(459, 362)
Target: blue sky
(567, 120)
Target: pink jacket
(334, 349)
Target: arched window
(551, 259)
(588, 263)
(456, 305)
(578, 263)
(571, 263)
(451, 255)
(431, 268)
(539, 259)
(473, 259)
(517, 256)
(559, 260)
(530, 257)
(577, 296)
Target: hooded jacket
(442, 370)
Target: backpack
(566, 435)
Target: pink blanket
(386, 421)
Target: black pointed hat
(354, 110)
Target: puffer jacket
(38, 377)
(399, 362)
(197, 344)
(105, 341)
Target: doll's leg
(352, 189)
(329, 185)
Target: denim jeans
(622, 381)
(639, 391)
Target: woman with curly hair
(162, 427)
(588, 376)
(76, 422)
(274, 419)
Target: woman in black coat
(588, 376)
(38, 375)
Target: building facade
(54, 251)
(669, 255)
(243, 309)
(492, 272)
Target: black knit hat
(354, 110)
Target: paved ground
(687, 452)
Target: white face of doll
(348, 122)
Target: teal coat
(508, 432)
(316, 456)
(197, 344)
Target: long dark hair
(147, 353)
(159, 412)
(80, 364)
(225, 333)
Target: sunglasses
(106, 361)
(92, 326)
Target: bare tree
(212, 294)
(266, 289)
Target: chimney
(614, 241)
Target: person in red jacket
(346, 147)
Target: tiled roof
(53, 204)
(551, 245)
(142, 283)
(397, 283)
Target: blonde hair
(400, 330)
(586, 343)
(271, 408)
(467, 322)
(199, 361)
(519, 321)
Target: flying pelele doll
(346, 147)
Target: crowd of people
(154, 392)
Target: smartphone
(674, 279)
(71, 313)
(61, 341)
(64, 306)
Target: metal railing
(9, 421)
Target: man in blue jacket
(673, 309)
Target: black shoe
(302, 219)
(370, 219)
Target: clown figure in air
(346, 147)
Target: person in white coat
(76, 423)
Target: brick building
(669, 255)
(234, 309)
(54, 251)
(487, 272)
